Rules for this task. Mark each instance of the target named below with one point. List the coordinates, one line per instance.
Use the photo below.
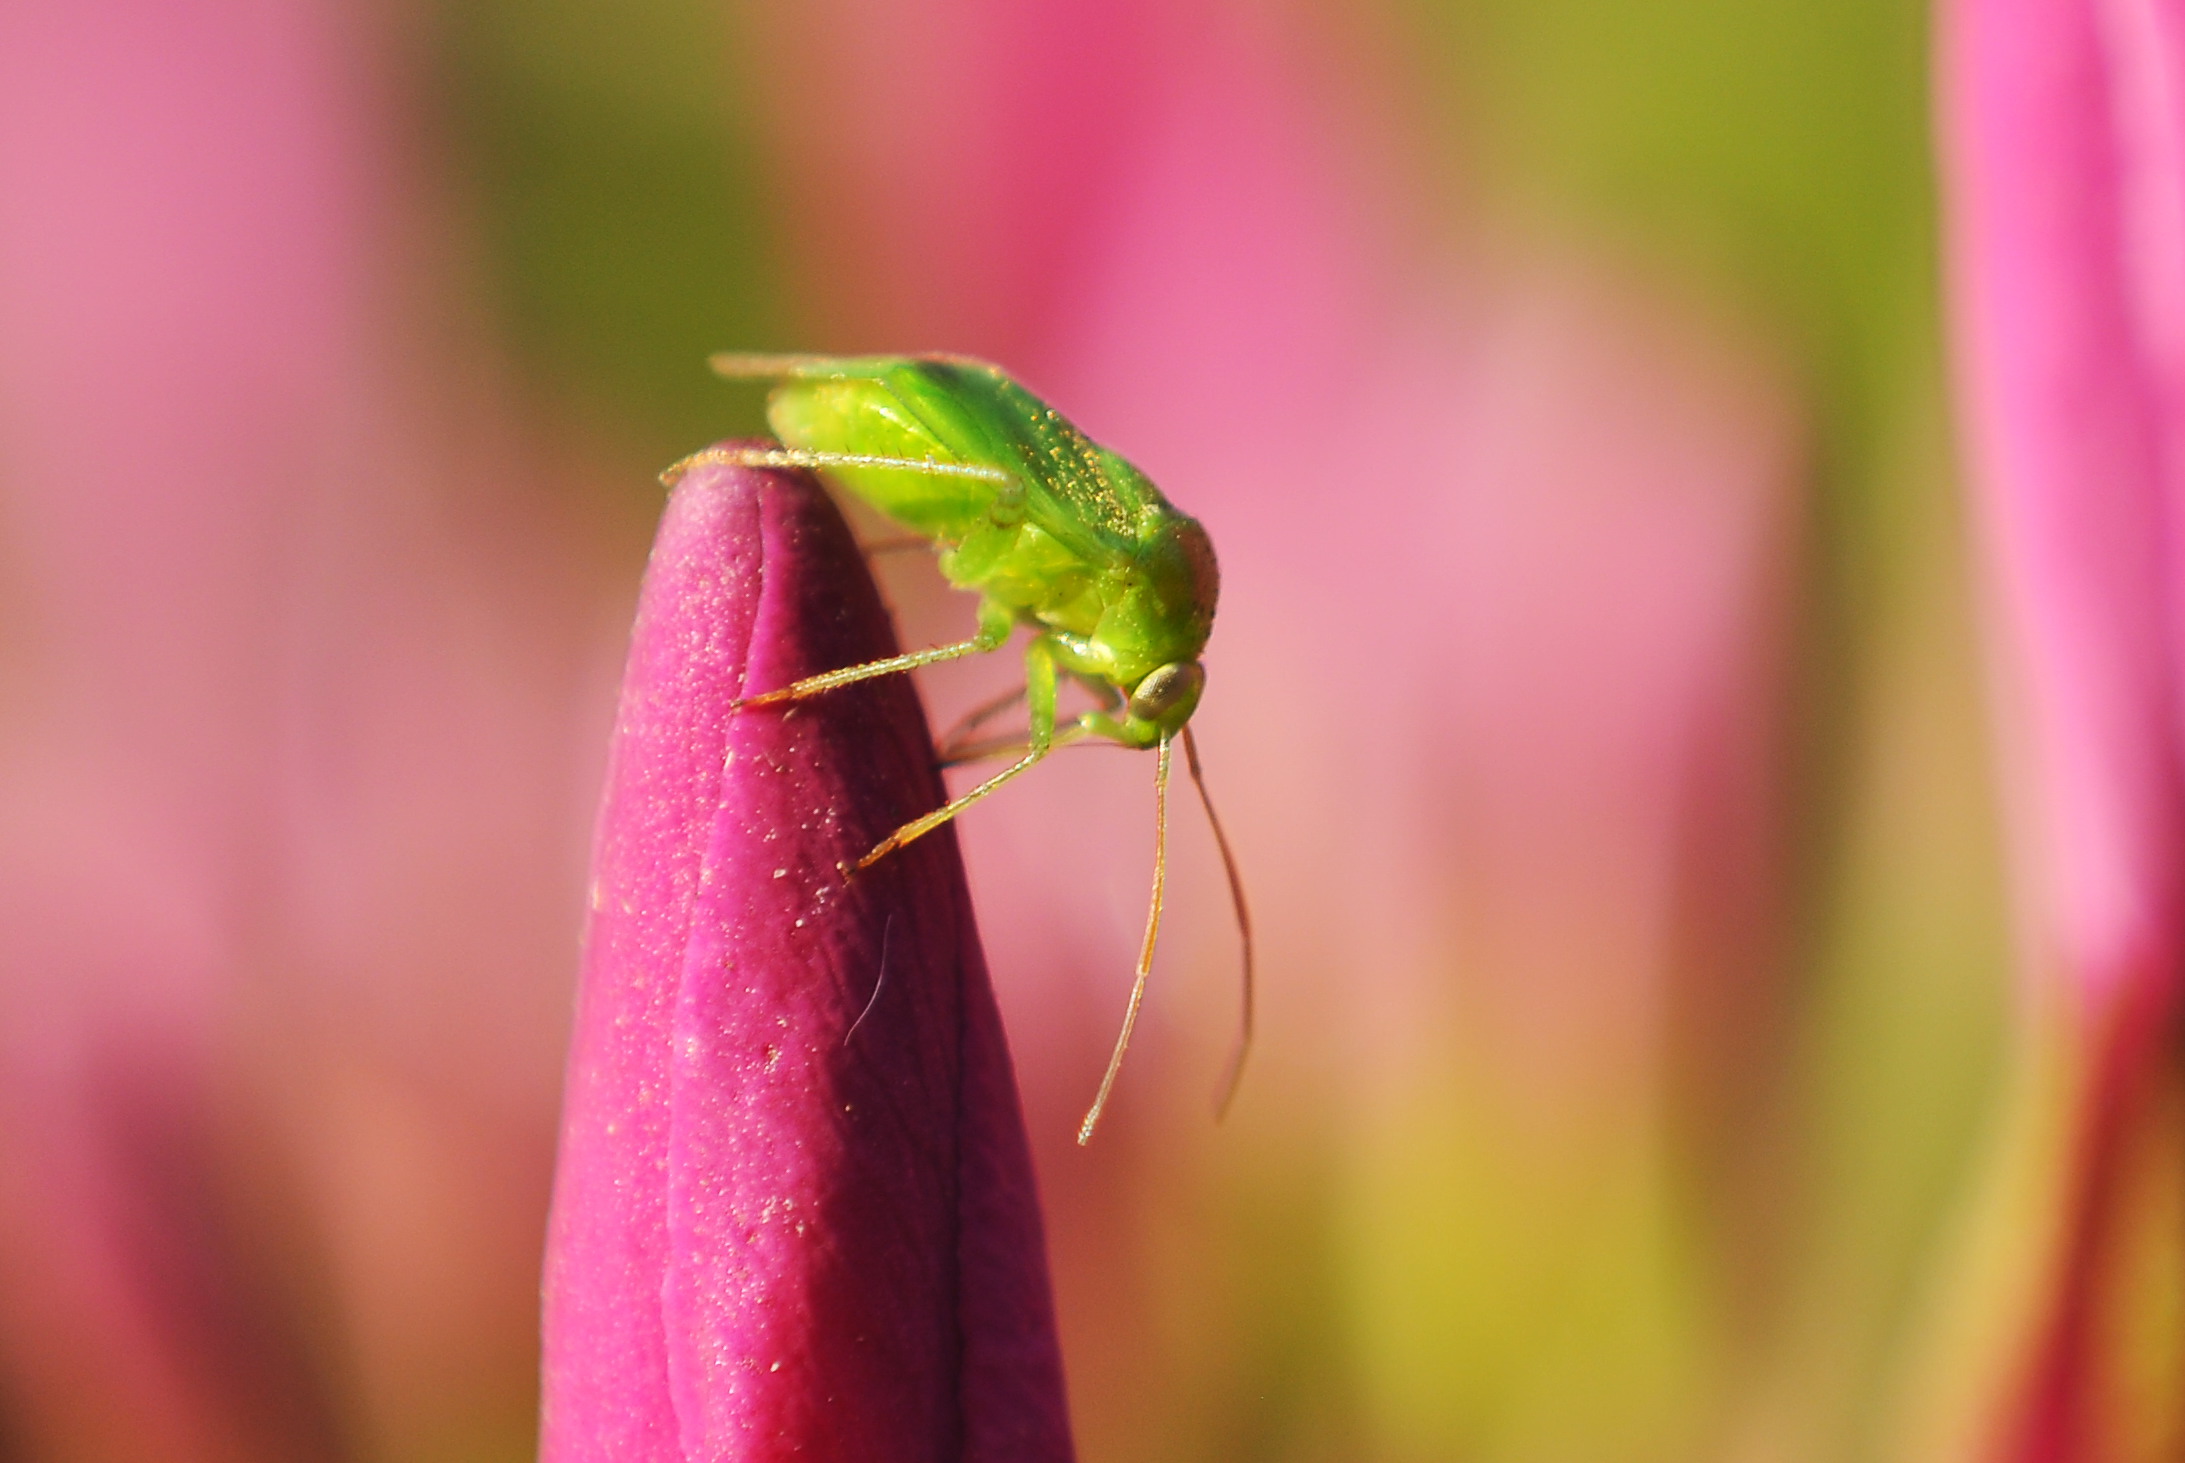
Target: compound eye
(1167, 687)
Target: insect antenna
(1225, 1091)
(1145, 952)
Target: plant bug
(1051, 531)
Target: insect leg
(953, 741)
(1145, 951)
(798, 457)
(1226, 1092)
(1089, 726)
(918, 828)
(995, 624)
(1010, 746)
(775, 366)
(850, 675)
(762, 366)
(987, 750)
(956, 749)
(896, 544)
(1039, 684)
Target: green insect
(1053, 532)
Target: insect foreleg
(918, 828)
(995, 624)
(1039, 690)
(850, 675)
(1145, 951)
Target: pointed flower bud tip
(794, 1213)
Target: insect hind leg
(789, 365)
(950, 749)
(771, 366)
(779, 457)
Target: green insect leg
(995, 624)
(1039, 695)
(958, 746)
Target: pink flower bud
(794, 1214)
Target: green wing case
(952, 410)
(1072, 486)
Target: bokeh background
(1597, 703)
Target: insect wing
(1086, 498)
(948, 409)
(865, 416)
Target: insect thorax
(1115, 620)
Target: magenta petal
(2057, 359)
(794, 1216)
(2061, 140)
